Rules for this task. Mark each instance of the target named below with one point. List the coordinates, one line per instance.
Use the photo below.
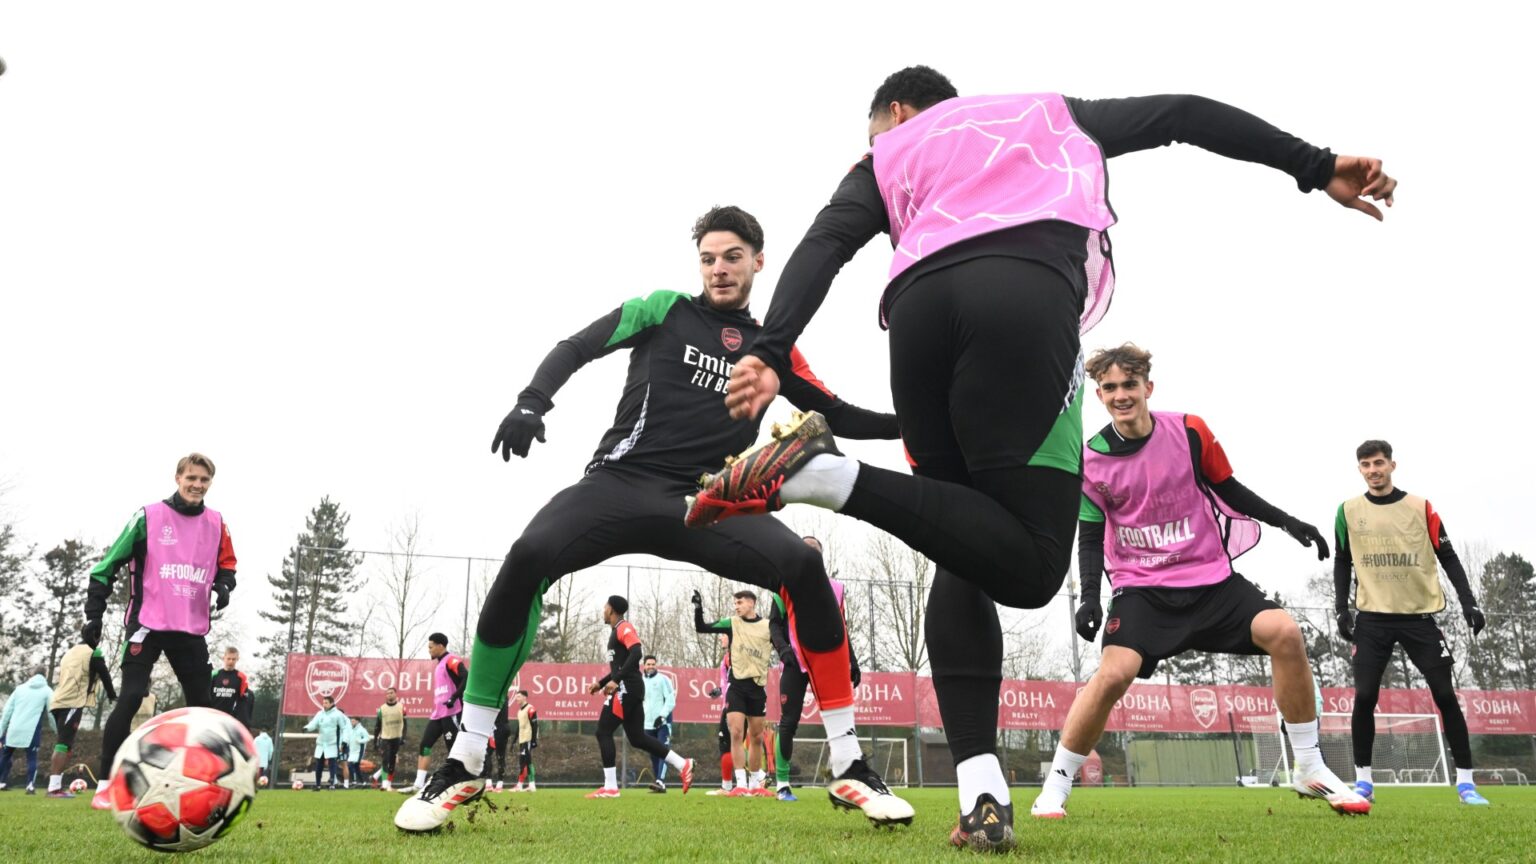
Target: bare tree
(899, 578)
(407, 603)
(569, 626)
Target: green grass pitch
(1408, 826)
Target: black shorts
(1421, 638)
(68, 721)
(446, 728)
(746, 697)
(1159, 623)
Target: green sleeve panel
(1341, 534)
(642, 313)
(122, 550)
(1087, 511)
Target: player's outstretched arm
(806, 391)
(1143, 122)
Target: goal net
(1409, 749)
(886, 755)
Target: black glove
(90, 632)
(1089, 616)
(517, 431)
(855, 674)
(534, 744)
(222, 592)
(713, 692)
(697, 600)
(1307, 535)
(1346, 625)
(1475, 619)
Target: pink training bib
(181, 557)
(969, 166)
(1162, 527)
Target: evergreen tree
(1505, 654)
(18, 612)
(62, 583)
(309, 597)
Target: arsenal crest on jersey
(730, 337)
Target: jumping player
(669, 427)
(1392, 540)
(996, 207)
(1164, 515)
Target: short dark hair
(523, 692)
(919, 86)
(387, 689)
(729, 218)
(1372, 447)
(649, 657)
(743, 595)
(438, 638)
(330, 699)
(618, 604)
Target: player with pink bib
(1164, 516)
(997, 209)
(181, 565)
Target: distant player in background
(752, 649)
(231, 689)
(330, 727)
(357, 742)
(389, 728)
(660, 700)
(1392, 540)
(624, 703)
(79, 670)
(527, 742)
(263, 755)
(448, 680)
(723, 730)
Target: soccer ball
(297, 785)
(183, 779)
(77, 785)
(262, 782)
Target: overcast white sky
(327, 243)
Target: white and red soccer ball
(77, 785)
(262, 781)
(297, 785)
(183, 779)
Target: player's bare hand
(612, 688)
(596, 686)
(1356, 178)
(753, 385)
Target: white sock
(741, 778)
(475, 728)
(759, 779)
(611, 778)
(676, 761)
(1363, 774)
(1058, 783)
(825, 481)
(727, 785)
(100, 785)
(1464, 775)
(981, 775)
(1304, 744)
(56, 782)
(842, 739)
(421, 779)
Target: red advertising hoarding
(559, 690)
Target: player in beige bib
(1392, 541)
